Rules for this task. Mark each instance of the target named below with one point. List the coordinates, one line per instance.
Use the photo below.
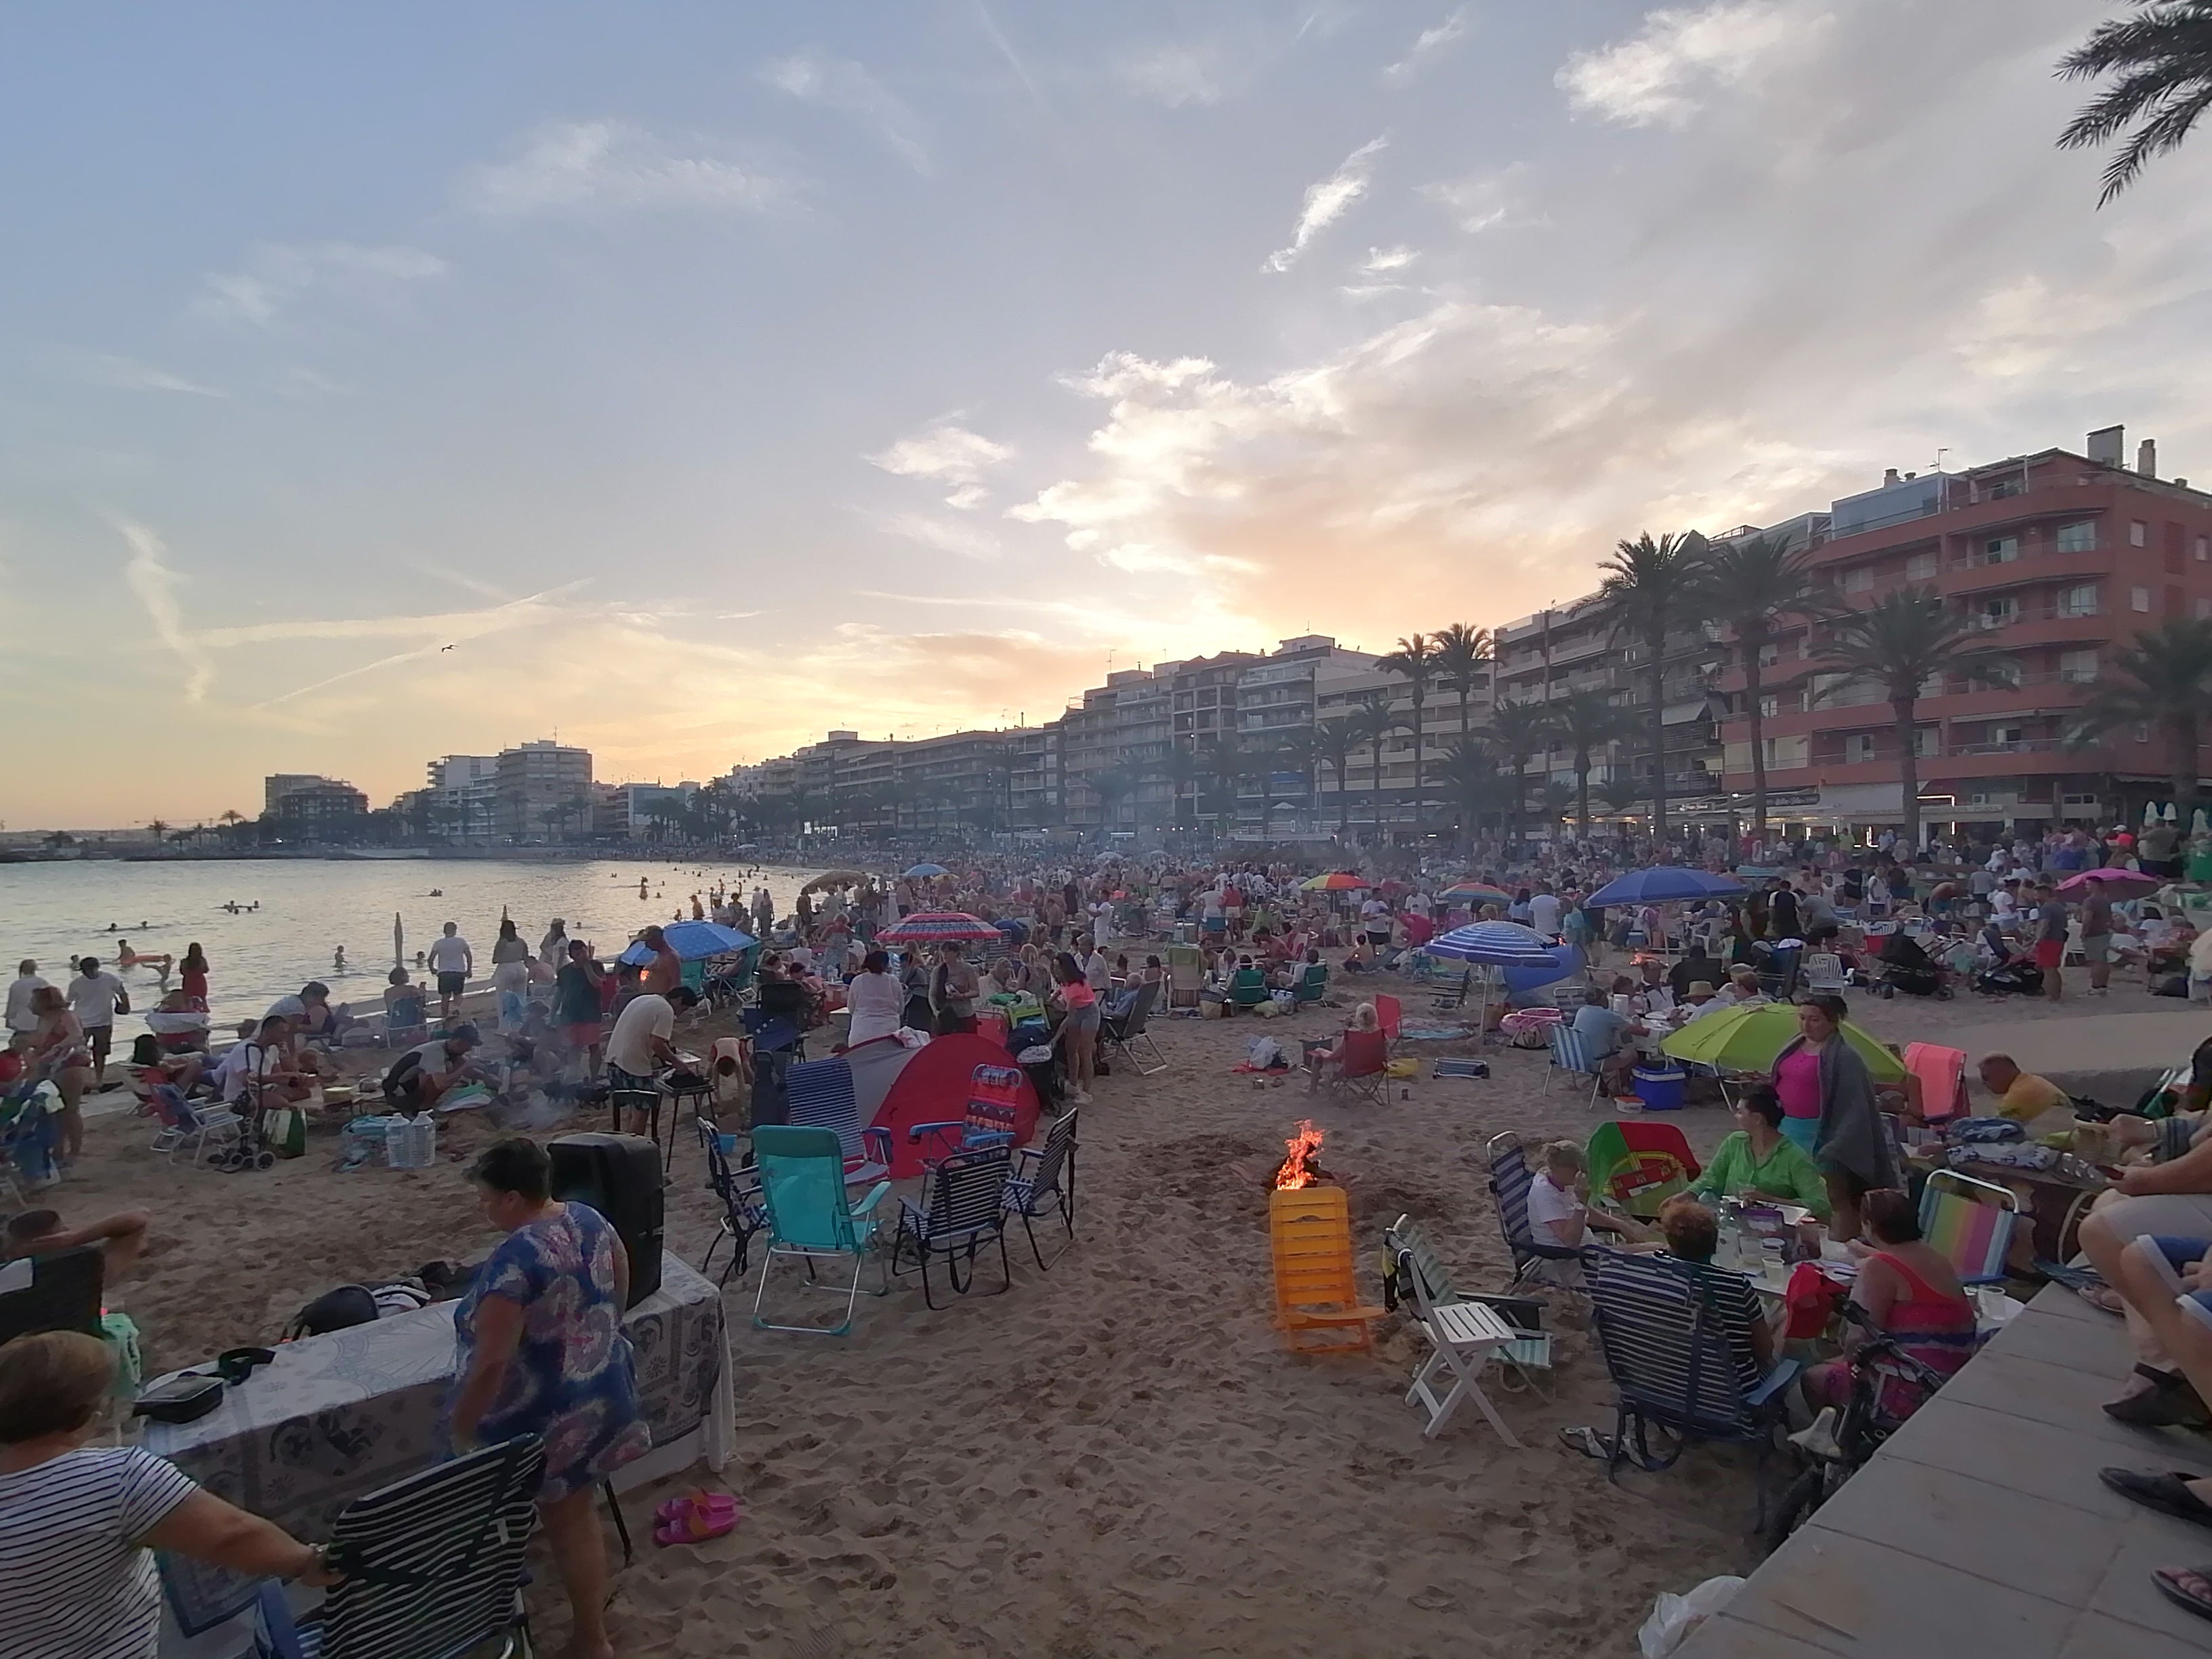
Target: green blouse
(1784, 1173)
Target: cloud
(950, 454)
(1481, 201)
(1004, 48)
(1328, 202)
(1663, 74)
(275, 274)
(154, 585)
(129, 374)
(952, 536)
(1173, 75)
(1381, 261)
(586, 168)
(438, 634)
(1426, 46)
(846, 87)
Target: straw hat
(1699, 985)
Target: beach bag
(333, 1310)
(286, 1132)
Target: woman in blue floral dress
(542, 1352)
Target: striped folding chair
(818, 1094)
(433, 1565)
(1570, 1053)
(965, 1210)
(1969, 1224)
(1509, 1181)
(1043, 1182)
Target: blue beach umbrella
(1494, 944)
(1665, 883)
(926, 872)
(693, 941)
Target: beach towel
(1939, 1075)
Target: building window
(1928, 741)
(2080, 537)
(2138, 533)
(2203, 549)
(1769, 707)
(1920, 568)
(2080, 667)
(1859, 581)
(1858, 747)
(2078, 601)
(2000, 612)
(2139, 599)
(2001, 550)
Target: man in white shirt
(1097, 972)
(1544, 913)
(638, 1048)
(20, 991)
(95, 998)
(452, 962)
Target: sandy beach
(1117, 1457)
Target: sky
(685, 380)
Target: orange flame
(1295, 1169)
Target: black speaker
(618, 1175)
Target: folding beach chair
(1509, 1181)
(190, 1123)
(1186, 974)
(994, 1096)
(1310, 1235)
(1673, 1365)
(1043, 1181)
(1969, 1223)
(433, 1565)
(1452, 994)
(965, 1211)
(811, 1219)
(1639, 1166)
(738, 1189)
(1570, 1053)
(818, 1094)
(405, 1025)
(773, 1034)
(1122, 1035)
(1363, 1069)
(1389, 1017)
(1464, 1333)
(1312, 986)
(1248, 989)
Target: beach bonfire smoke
(1302, 1167)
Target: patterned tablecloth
(339, 1415)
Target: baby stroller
(2010, 979)
(1905, 966)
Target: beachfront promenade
(1982, 1528)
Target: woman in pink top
(1797, 1080)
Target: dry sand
(1117, 1457)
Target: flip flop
(695, 1517)
(2168, 1494)
(1588, 1441)
(2188, 1587)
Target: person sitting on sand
(121, 1237)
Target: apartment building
(462, 793)
(543, 789)
(305, 802)
(2058, 558)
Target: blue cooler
(1661, 1089)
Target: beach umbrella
(829, 878)
(927, 871)
(1494, 944)
(2117, 885)
(934, 926)
(694, 941)
(1663, 883)
(1473, 893)
(1336, 881)
(1749, 1039)
(398, 941)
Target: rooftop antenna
(1940, 454)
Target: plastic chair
(1309, 1236)
(1969, 1223)
(810, 1217)
(1464, 1333)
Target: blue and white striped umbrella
(1497, 944)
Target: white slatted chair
(1824, 971)
(1464, 1337)
(1570, 1053)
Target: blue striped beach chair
(965, 1211)
(1570, 1053)
(818, 1094)
(1509, 1181)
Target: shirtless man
(121, 1236)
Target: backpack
(334, 1310)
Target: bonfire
(1301, 1167)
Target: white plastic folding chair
(1463, 1338)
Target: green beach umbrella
(1748, 1039)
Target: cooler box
(1661, 1090)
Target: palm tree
(1415, 661)
(2162, 59)
(157, 828)
(1378, 720)
(1619, 793)
(1463, 655)
(1298, 751)
(1517, 731)
(2163, 678)
(1469, 772)
(1586, 722)
(1900, 642)
(1336, 736)
(1180, 770)
(1224, 759)
(1113, 786)
(1752, 586)
(1651, 587)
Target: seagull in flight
(446, 647)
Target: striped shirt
(74, 1583)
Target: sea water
(50, 912)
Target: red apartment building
(2060, 557)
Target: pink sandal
(696, 1517)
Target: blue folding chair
(1570, 1053)
(811, 1219)
(1043, 1182)
(818, 1094)
(965, 1211)
(1509, 1181)
(743, 1214)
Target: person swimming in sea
(337, 960)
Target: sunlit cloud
(1427, 45)
(582, 167)
(276, 274)
(1663, 74)
(154, 585)
(1327, 202)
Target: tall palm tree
(1585, 722)
(1415, 662)
(1753, 585)
(1224, 759)
(1181, 770)
(1900, 642)
(1336, 736)
(1468, 773)
(1518, 731)
(2161, 60)
(1463, 656)
(1651, 587)
(158, 828)
(1113, 786)
(1378, 720)
(2162, 679)
(1298, 751)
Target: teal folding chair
(810, 1219)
